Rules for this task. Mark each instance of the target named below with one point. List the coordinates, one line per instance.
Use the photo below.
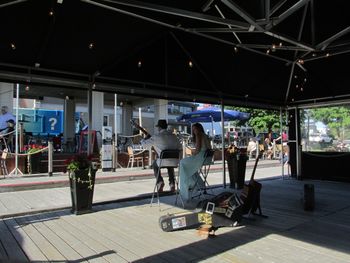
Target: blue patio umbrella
(212, 114)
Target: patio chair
(135, 157)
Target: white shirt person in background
(164, 140)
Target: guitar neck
(255, 165)
(137, 126)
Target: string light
(327, 55)
(268, 51)
(280, 44)
(273, 47)
(139, 64)
(300, 61)
(50, 13)
(13, 46)
(27, 88)
(235, 49)
(190, 64)
(91, 45)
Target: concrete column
(126, 117)
(97, 113)
(6, 95)
(68, 121)
(160, 110)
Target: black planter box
(82, 191)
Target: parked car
(321, 138)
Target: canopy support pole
(223, 144)
(16, 169)
(115, 148)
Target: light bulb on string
(273, 47)
(190, 64)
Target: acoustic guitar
(250, 194)
(143, 130)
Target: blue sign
(40, 121)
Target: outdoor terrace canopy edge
(262, 53)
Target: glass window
(326, 129)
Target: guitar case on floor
(224, 209)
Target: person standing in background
(5, 116)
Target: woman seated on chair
(189, 166)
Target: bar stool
(167, 159)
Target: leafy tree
(260, 120)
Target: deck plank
(90, 238)
(10, 245)
(31, 229)
(130, 232)
(28, 245)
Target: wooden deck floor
(129, 232)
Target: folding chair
(167, 159)
(203, 175)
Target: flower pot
(82, 184)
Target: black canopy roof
(256, 53)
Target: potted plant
(82, 173)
